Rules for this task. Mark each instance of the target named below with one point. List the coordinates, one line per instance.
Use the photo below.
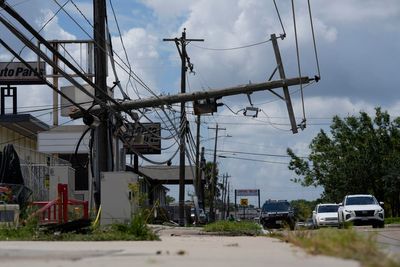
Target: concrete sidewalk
(176, 250)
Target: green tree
(211, 190)
(169, 199)
(360, 155)
(303, 208)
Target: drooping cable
(279, 17)
(77, 146)
(41, 28)
(232, 48)
(112, 61)
(122, 41)
(298, 61)
(131, 74)
(313, 36)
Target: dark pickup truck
(277, 214)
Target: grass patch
(234, 228)
(136, 230)
(347, 244)
(391, 220)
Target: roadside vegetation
(392, 220)
(136, 230)
(234, 228)
(347, 244)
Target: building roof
(24, 124)
(64, 139)
(166, 174)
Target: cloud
(142, 50)
(52, 30)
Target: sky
(357, 43)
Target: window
(362, 200)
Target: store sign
(145, 138)
(17, 73)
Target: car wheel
(340, 225)
(374, 225)
(381, 224)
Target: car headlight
(351, 212)
(379, 211)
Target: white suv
(361, 210)
(325, 215)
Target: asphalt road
(388, 238)
(179, 247)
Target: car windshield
(328, 208)
(276, 206)
(367, 200)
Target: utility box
(9, 214)
(61, 175)
(117, 199)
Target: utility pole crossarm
(216, 93)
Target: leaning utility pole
(285, 86)
(182, 42)
(214, 174)
(101, 153)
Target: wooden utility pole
(198, 95)
(285, 87)
(225, 195)
(214, 177)
(181, 46)
(197, 182)
(55, 84)
(101, 140)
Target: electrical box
(117, 199)
(61, 175)
(9, 214)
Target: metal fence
(36, 171)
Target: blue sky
(358, 45)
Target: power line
(232, 48)
(279, 17)
(130, 72)
(41, 28)
(121, 39)
(313, 36)
(298, 60)
(254, 154)
(255, 160)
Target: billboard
(17, 73)
(247, 192)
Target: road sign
(17, 73)
(244, 202)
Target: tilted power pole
(185, 63)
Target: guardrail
(56, 211)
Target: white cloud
(358, 11)
(52, 29)
(142, 50)
(168, 9)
